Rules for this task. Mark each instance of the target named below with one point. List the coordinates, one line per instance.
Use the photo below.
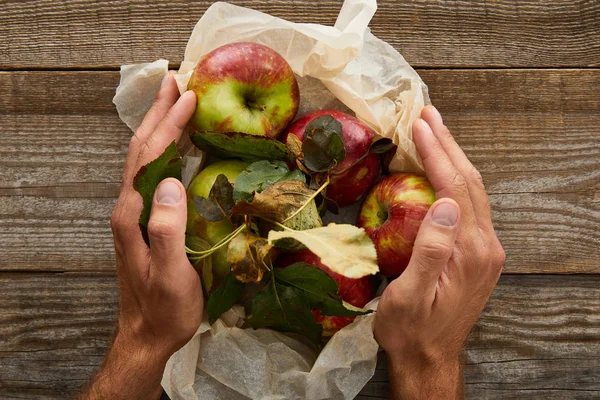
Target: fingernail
(426, 126)
(437, 114)
(445, 214)
(165, 79)
(168, 193)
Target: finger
(166, 230)
(165, 98)
(477, 192)
(441, 172)
(433, 247)
(169, 129)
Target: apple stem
(261, 107)
(311, 198)
(205, 253)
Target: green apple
(212, 232)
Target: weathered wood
(535, 137)
(105, 34)
(538, 337)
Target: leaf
(308, 218)
(246, 254)
(219, 202)
(322, 151)
(257, 177)
(278, 202)
(345, 248)
(381, 145)
(285, 309)
(325, 123)
(167, 165)
(294, 175)
(294, 144)
(320, 289)
(226, 295)
(241, 145)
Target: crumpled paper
(343, 67)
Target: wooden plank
(105, 34)
(533, 135)
(538, 337)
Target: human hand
(161, 298)
(425, 315)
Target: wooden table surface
(518, 83)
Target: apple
(348, 187)
(391, 214)
(357, 292)
(212, 232)
(244, 87)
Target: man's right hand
(425, 315)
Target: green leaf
(167, 165)
(294, 175)
(345, 248)
(219, 202)
(319, 288)
(226, 295)
(285, 309)
(325, 123)
(241, 145)
(323, 147)
(257, 177)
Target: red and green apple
(391, 214)
(357, 292)
(244, 87)
(347, 187)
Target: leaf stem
(285, 228)
(311, 198)
(220, 244)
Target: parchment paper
(343, 67)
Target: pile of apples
(249, 88)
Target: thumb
(166, 226)
(434, 244)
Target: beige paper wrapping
(343, 67)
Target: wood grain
(45, 34)
(534, 136)
(539, 337)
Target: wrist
(425, 375)
(133, 369)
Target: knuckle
(134, 142)
(116, 222)
(476, 177)
(458, 181)
(434, 252)
(481, 253)
(446, 134)
(499, 257)
(161, 229)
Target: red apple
(391, 214)
(244, 87)
(350, 186)
(357, 292)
